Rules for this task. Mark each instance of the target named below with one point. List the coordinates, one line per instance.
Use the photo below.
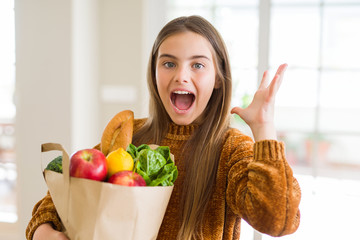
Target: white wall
(72, 59)
(84, 73)
(120, 58)
(43, 92)
(128, 29)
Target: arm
(44, 212)
(261, 187)
(259, 115)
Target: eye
(169, 64)
(198, 66)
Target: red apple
(127, 178)
(88, 163)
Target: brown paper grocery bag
(98, 210)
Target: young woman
(224, 175)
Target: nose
(182, 75)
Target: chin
(187, 119)
(182, 121)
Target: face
(185, 76)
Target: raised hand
(259, 115)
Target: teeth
(182, 92)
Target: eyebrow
(192, 57)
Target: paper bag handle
(46, 147)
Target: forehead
(186, 44)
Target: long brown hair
(205, 144)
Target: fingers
(237, 110)
(281, 70)
(264, 81)
(275, 83)
(274, 86)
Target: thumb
(238, 111)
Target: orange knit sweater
(253, 182)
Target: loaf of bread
(118, 132)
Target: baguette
(118, 132)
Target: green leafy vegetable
(55, 165)
(131, 149)
(155, 166)
(142, 147)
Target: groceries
(120, 203)
(55, 165)
(152, 165)
(88, 163)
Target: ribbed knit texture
(253, 182)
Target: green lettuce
(155, 166)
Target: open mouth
(182, 100)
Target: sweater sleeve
(44, 212)
(261, 187)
